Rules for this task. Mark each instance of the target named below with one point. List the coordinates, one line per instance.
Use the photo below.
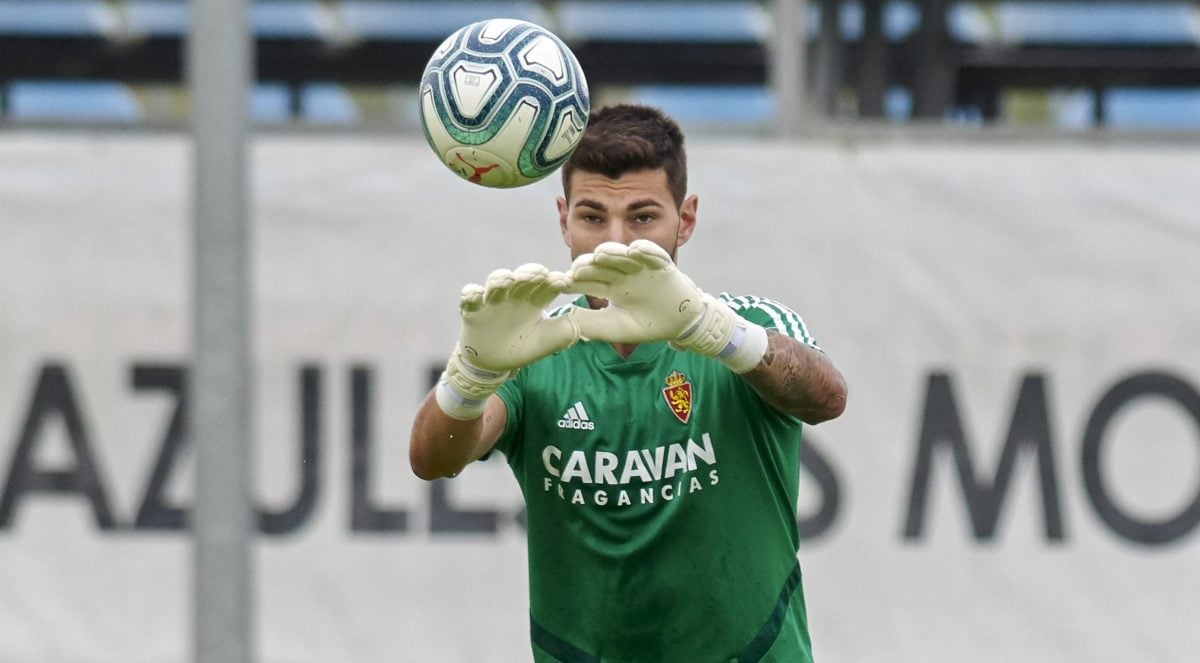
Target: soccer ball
(503, 102)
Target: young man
(654, 429)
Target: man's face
(636, 205)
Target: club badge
(679, 396)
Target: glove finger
(471, 298)
(582, 261)
(556, 333)
(541, 289)
(499, 283)
(596, 273)
(608, 324)
(615, 248)
(588, 279)
(621, 261)
(528, 279)
(530, 269)
(593, 288)
(560, 281)
(618, 256)
(548, 288)
(649, 254)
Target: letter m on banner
(942, 427)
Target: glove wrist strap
(725, 336)
(746, 347)
(463, 389)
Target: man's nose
(619, 232)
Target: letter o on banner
(1121, 394)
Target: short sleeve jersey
(660, 494)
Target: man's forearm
(798, 380)
(441, 446)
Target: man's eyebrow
(588, 202)
(635, 205)
(639, 204)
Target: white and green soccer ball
(503, 102)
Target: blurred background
(1065, 65)
(986, 212)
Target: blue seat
(670, 21)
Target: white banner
(1017, 476)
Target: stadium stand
(340, 61)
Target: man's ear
(562, 220)
(687, 219)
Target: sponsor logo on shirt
(637, 476)
(576, 418)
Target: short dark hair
(625, 138)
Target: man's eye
(643, 218)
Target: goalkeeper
(654, 429)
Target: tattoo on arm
(798, 380)
(772, 348)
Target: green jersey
(660, 492)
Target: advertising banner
(1016, 477)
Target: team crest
(679, 396)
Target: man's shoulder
(770, 314)
(748, 302)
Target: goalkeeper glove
(649, 299)
(503, 328)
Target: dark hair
(626, 138)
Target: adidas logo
(576, 417)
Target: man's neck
(624, 349)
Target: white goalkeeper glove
(649, 299)
(503, 328)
